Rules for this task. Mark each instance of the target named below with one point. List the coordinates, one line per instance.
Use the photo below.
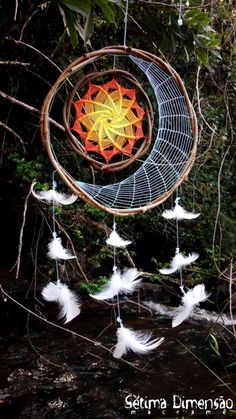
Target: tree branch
(6, 127)
(8, 62)
(29, 108)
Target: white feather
(67, 300)
(179, 213)
(115, 240)
(53, 196)
(129, 281)
(57, 251)
(125, 283)
(139, 342)
(183, 314)
(189, 300)
(178, 262)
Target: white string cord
(118, 315)
(126, 21)
(178, 241)
(180, 19)
(54, 233)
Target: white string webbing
(169, 155)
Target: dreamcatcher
(109, 124)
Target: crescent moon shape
(173, 152)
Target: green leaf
(202, 56)
(196, 18)
(214, 43)
(86, 31)
(233, 364)
(89, 25)
(107, 10)
(80, 6)
(70, 24)
(214, 345)
(217, 54)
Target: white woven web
(168, 156)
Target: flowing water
(46, 372)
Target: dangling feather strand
(189, 300)
(57, 251)
(179, 213)
(139, 342)
(67, 300)
(53, 196)
(125, 283)
(115, 240)
(178, 262)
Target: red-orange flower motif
(109, 119)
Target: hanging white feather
(139, 342)
(53, 196)
(190, 299)
(129, 280)
(178, 262)
(115, 240)
(57, 251)
(179, 213)
(110, 289)
(67, 300)
(125, 283)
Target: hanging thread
(118, 317)
(126, 21)
(54, 234)
(178, 240)
(180, 19)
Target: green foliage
(74, 12)
(79, 236)
(94, 287)
(27, 170)
(202, 40)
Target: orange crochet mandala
(109, 119)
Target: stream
(47, 372)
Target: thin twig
(199, 102)
(29, 108)
(6, 127)
(18, 261)
(34, 347)
(14, 63)
(16, 9)
(18, 42)
(26, 23)
(73, 248)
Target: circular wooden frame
(45, 125)
(78, 147)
